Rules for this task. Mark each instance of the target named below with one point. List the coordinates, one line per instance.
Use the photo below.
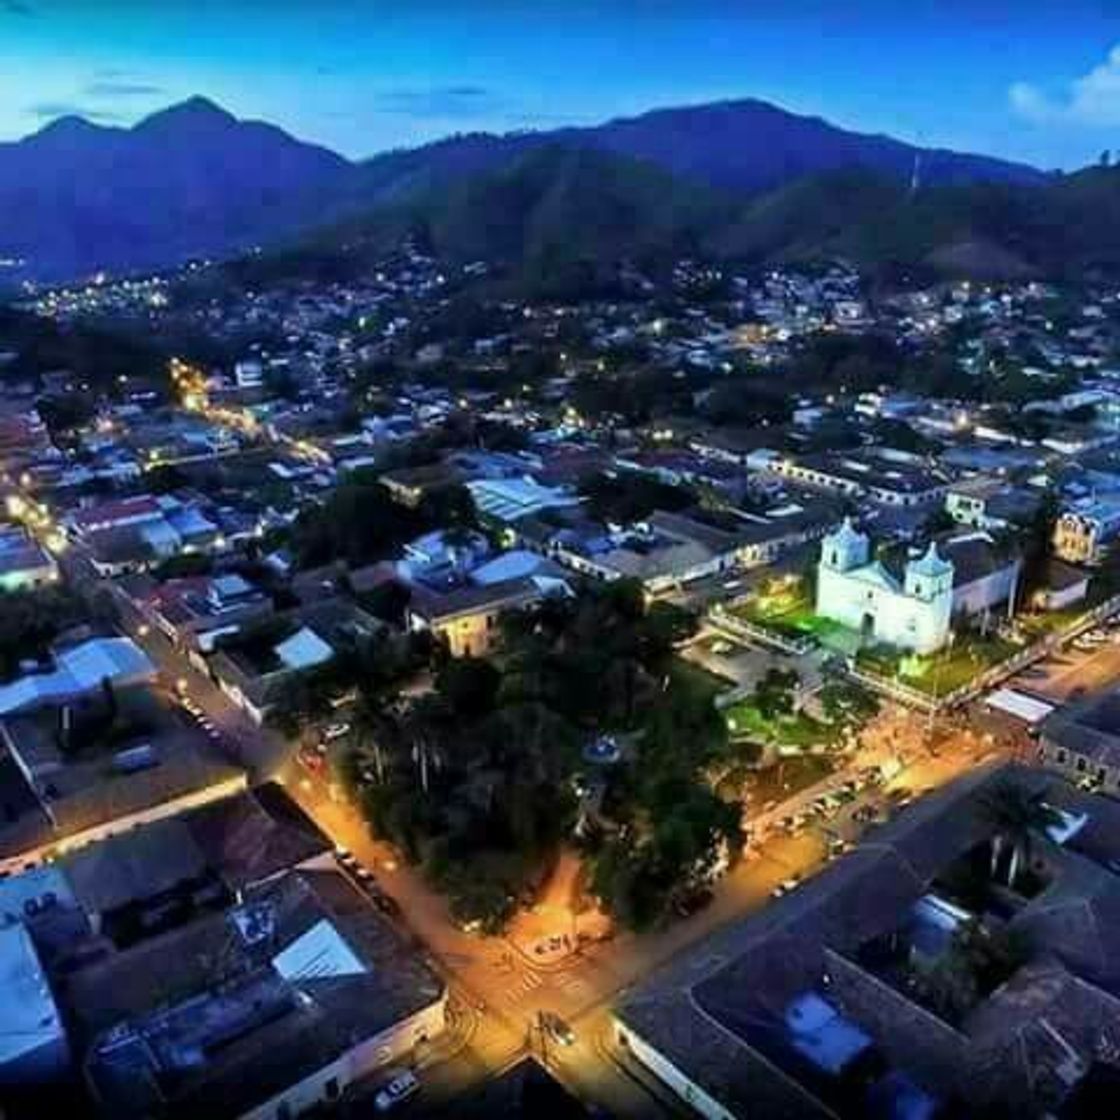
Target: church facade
(913, 612)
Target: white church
(913, 609)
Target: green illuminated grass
(800, 730)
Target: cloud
(16, 8)
(1092, 99)
(122, 87)
(462, 102)
(51, 110)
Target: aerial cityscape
(559, 560)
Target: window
(1081, 764)
(331, 1089)
(1063, 755)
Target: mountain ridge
(194, 180)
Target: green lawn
(943, 672)
(799, 730)
(784, 606)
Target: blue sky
(1037, 80)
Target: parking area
(1086, 664)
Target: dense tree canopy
(475, 780)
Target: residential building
(79, 671)
(33, 1049)
(466, 615)
(195, 612)
(88, 764)
(1081, 740)
(24, 564)
(825, 1003)
(990, 503)
(1085, 528)
(885, 477)
(505, 501)
(268, 1009)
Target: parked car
(785, 886)
(403, 1085)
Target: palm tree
(1020, 817)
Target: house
(269, 1008)
(24, 564)
(131, 534)
(86, 764)
(79, 671)
(1086, 527)
(258, 665)
(195, 612)
(912, 603)
(411, 485)
(137, 884)
(33, 1049)
(990, 503)
(505, 501)
(885, 477)
(1065, 587)
(1081, 740)
(255, 669)
(442, 555)
(466, 617)
(818, 1006)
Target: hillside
(749, 146)
(1069, 226)
(192, 180)
(195, 181)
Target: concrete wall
(174, 807)
(665, 1071)
(1078, 767)
(985, 593)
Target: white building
(862, 594)
(964, 576)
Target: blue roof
(509, 565)
(818, 1032)
(896, 1097)
(29, 1018)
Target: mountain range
(740, 180)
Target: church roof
(847, 534)
(931, 564)
(874, 573)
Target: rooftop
(722, 1011)
(225, 1013)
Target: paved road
(1071, 673)
(497, 994)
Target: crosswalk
(515, 990)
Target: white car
(785, 886)
(403, 1085)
